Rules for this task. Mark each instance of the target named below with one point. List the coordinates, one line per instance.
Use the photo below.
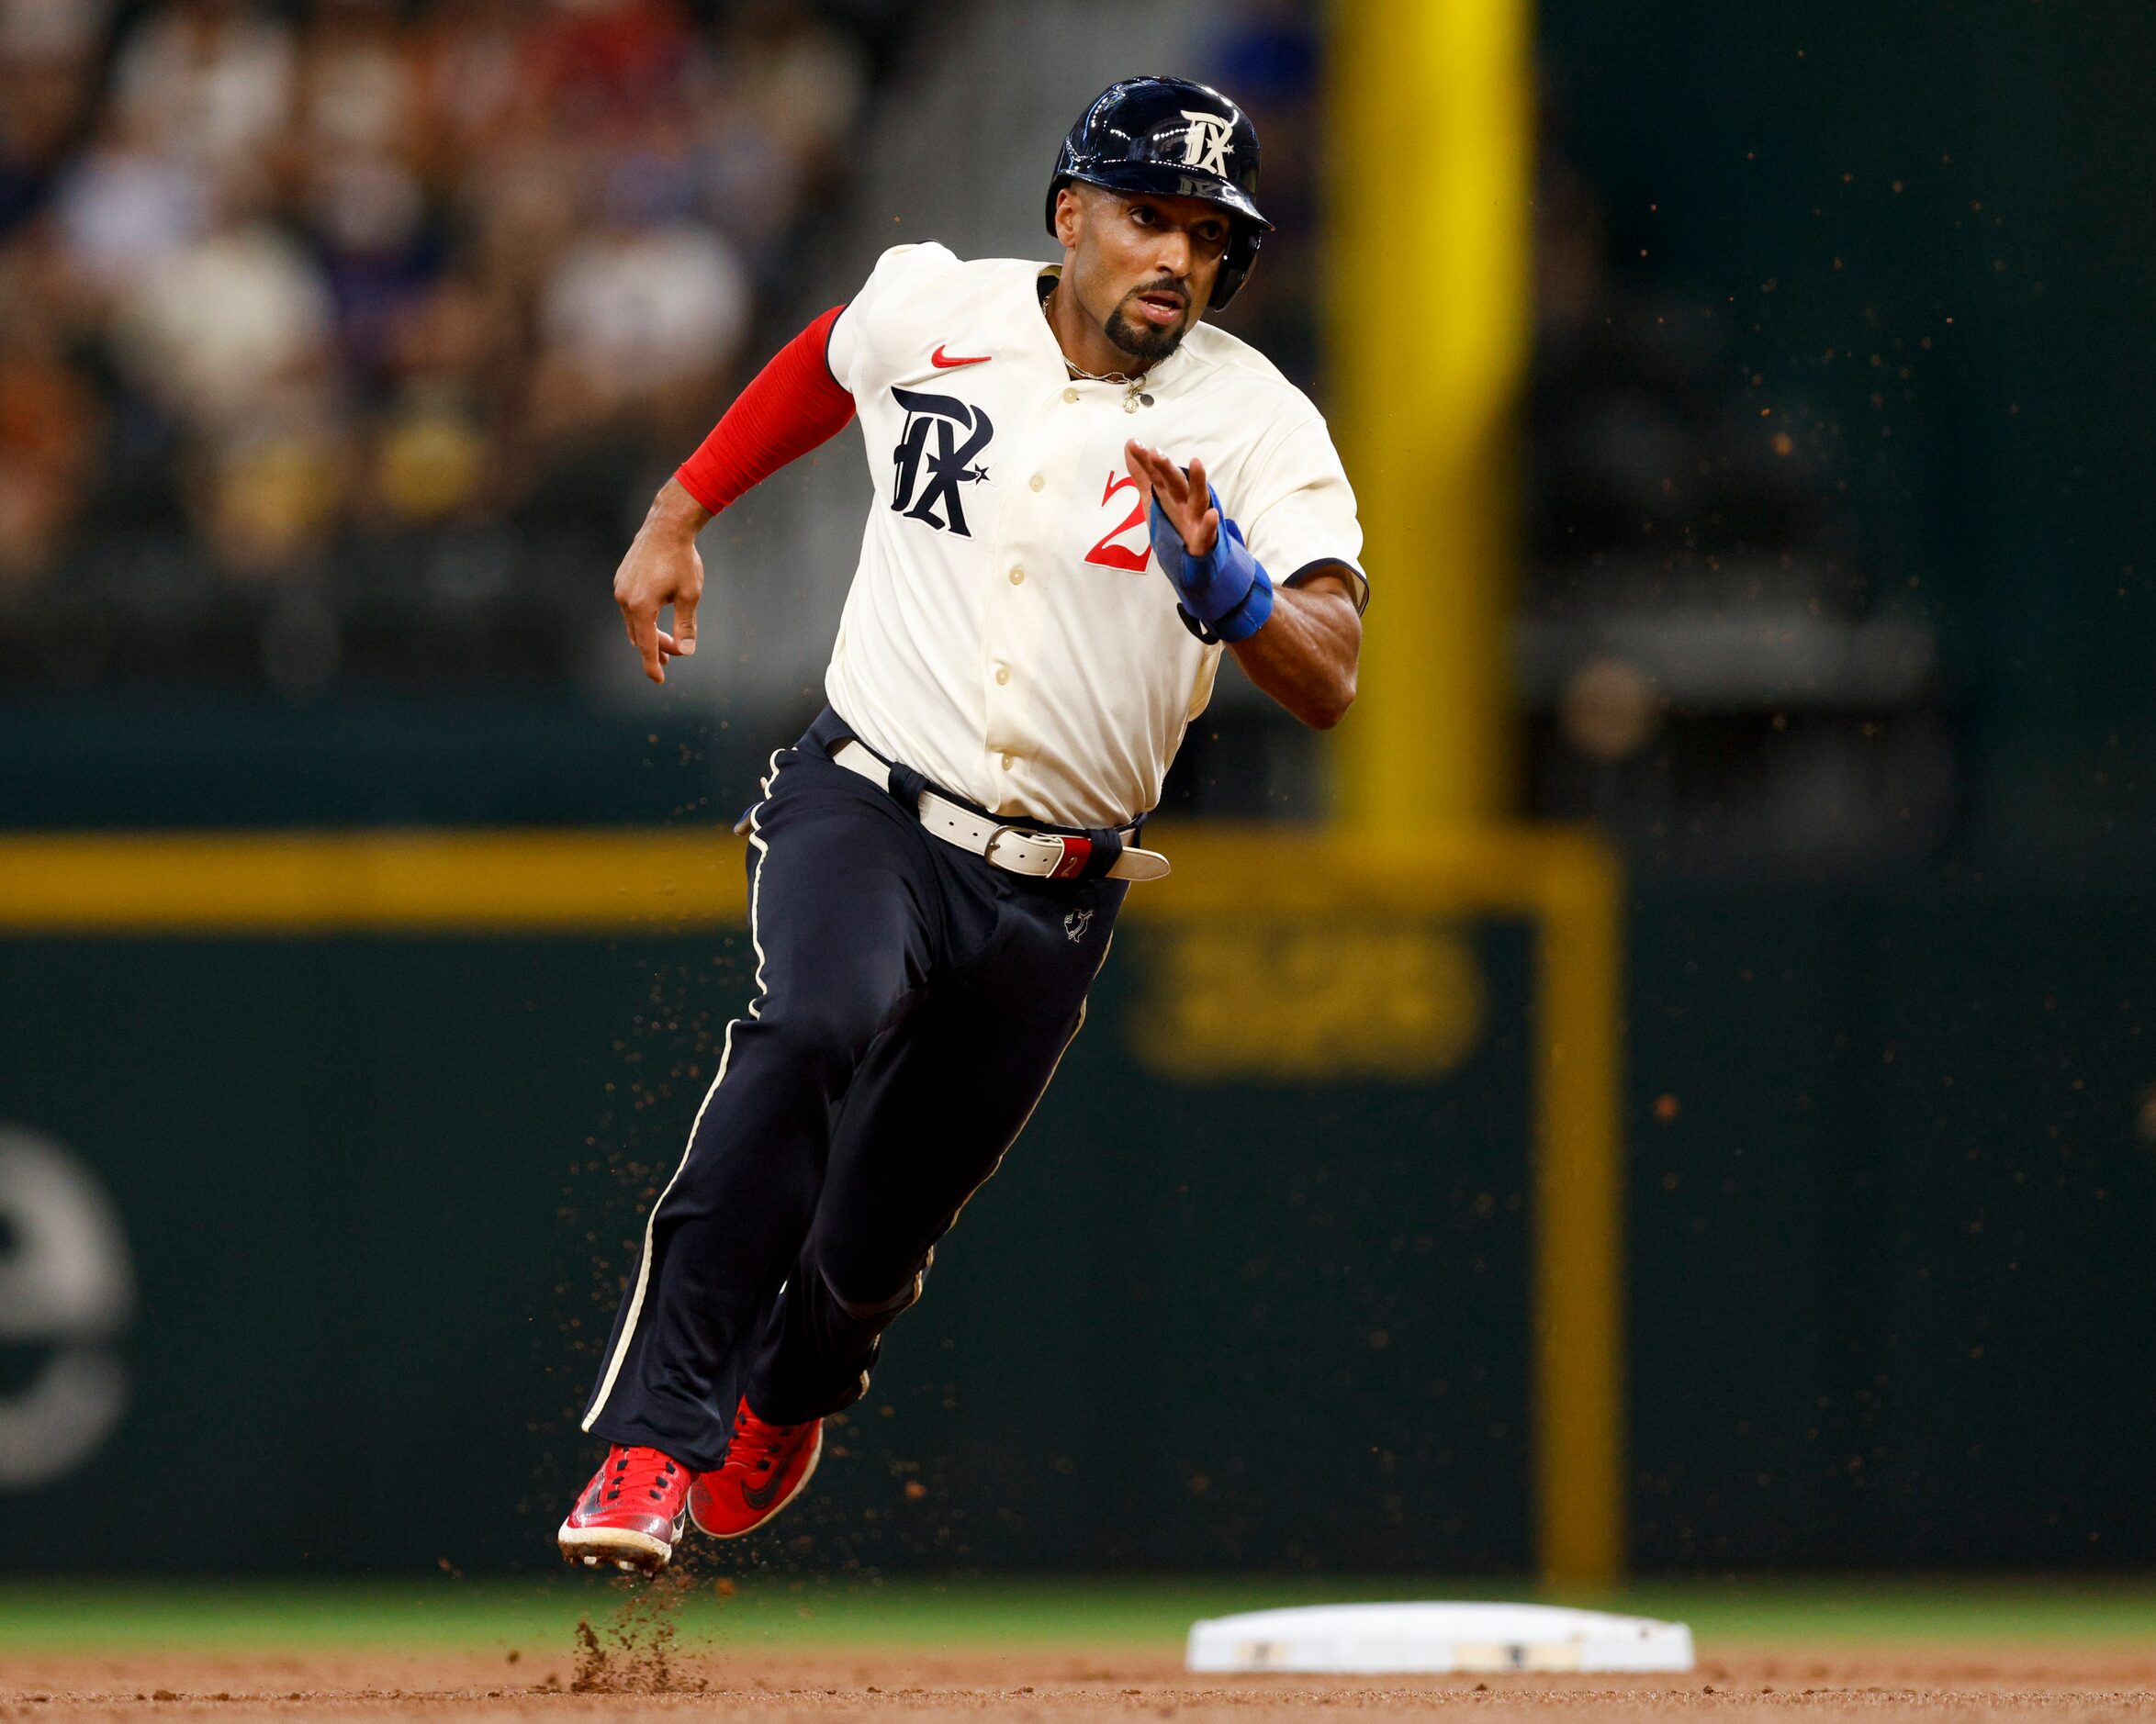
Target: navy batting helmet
(1173, 139)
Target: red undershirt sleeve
(790, 407)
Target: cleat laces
(761, 1445)
(639, 1473)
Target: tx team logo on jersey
(936, 454)
(1205, 145)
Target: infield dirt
(1052, 1686)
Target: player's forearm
(1304, 655)
(790, 407)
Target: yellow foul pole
(1430, 122)
(1431, 110)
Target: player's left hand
(1225, 594)
(1184, 497)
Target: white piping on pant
(613, 1367)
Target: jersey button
(1018, 577)
(1070, 395)
(1036, 481)
(1003, 675)
(1006, 762)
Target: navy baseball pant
(912, 1003)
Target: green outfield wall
(1890, 1208)
(375, 1196)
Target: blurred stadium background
(1789, 370)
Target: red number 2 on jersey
(1108, 553)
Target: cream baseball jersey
(1007, 633)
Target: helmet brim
(1163, 179)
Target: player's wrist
(678, 512)
(1226, 591)
(1248, 614)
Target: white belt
(1044, 855)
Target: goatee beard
(1146, 342)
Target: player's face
(1142, 267)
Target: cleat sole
(632, 1552)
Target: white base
(1375, 1640)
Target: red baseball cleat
(765, 1468)
(631, 1513)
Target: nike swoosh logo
(945, 362)
(762, 1499)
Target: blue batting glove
(1226, 591)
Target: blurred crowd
(339, 341)
(318, 312)
(1268, 55)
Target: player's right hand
(662, 567)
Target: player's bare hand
(1184, 498)
(662, 567)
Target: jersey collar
(1161, 377)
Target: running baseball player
(1081, 495)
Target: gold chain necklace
(1133, 395)
(1102, 376)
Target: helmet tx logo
(1205, 145)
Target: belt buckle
(988, 850)
(995, 837)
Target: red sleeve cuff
(790, 406)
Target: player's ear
(1069, 216)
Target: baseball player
(1081, 495)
